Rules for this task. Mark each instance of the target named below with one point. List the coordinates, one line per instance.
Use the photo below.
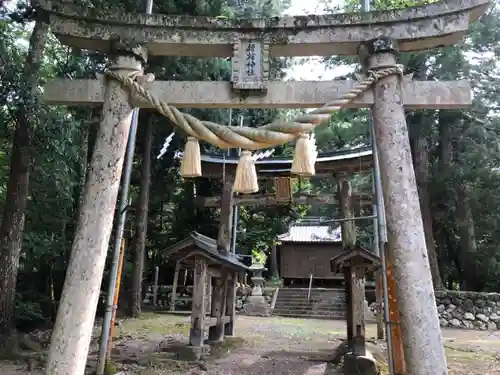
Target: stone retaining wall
(470, 310)
(164, 292)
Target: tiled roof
(352, 153)
(209, 247)
(312, 233)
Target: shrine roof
(309, 232)
(356, 256)
(352, 160)
(198, 244)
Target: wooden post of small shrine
(355, 288)
(155, 287)
(196, 335)
(231, 306)
(355, 262)
(209, 287)
(357, 299)
(174, 286)
(218, 310)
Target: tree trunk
(139, 242)
(11, 230)
(420, 155)
(418, 124)
(274, 263)
(468, 247)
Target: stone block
(360, 365)
(256, 306)
(187, 352)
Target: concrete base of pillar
(256, 306)
(360, 365)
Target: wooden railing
(310, 286)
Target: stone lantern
(257, 279)
(256, 304)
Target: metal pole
(381, 233)
(120, 226)
(116, 297)
(376, 245)
(388, 333)
(235, 212)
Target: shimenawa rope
(273, 134)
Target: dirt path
(268, 346)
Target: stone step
(337, 314)
(326, 290)
(313, 299)
(305, 291)
(322, 304)
(312, 303)
(309, 307)
(304, 301)
(310, 316)
(306, 308)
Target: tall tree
(11, 230)
(139, 241)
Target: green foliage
(465, 235)
(259, 256)
(29, 315)
(60, 155)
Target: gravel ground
(267, 346)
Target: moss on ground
(153, 323)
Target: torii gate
(376, 37)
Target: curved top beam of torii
(417, 28)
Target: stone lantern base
(257, 306)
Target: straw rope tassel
(245, 181)
(191, 161)
(305, 156)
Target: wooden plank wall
(283, 189)
(300, 260)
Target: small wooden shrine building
(305, 252)
(215, 274)
(278, 169)
(327, 164)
